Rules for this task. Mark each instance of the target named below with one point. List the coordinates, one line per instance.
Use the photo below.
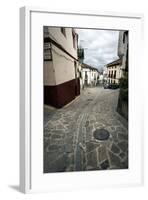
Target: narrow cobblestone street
(69, 142)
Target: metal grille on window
(47, 51)
(46, 31)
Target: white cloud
(100, 46)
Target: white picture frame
(32, 178)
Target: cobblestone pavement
(69, 143)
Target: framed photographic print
(81, 106)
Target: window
(74, 40)
(109, 74)
(75, 66)
(115, 74)
(47, 51)
(86, 76)
(63, 30)
(112, 74)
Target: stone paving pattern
(69, 144)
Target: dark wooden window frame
(50, 51)
(74, 40)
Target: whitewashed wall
(91, 77)
(62, 67)
(49, 73)
(119, 73)
(65, 41)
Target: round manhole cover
(101, 134)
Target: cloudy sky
(100, 46)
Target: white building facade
(119, 68)
(89, 76)
(114, 72)
(61, 81)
